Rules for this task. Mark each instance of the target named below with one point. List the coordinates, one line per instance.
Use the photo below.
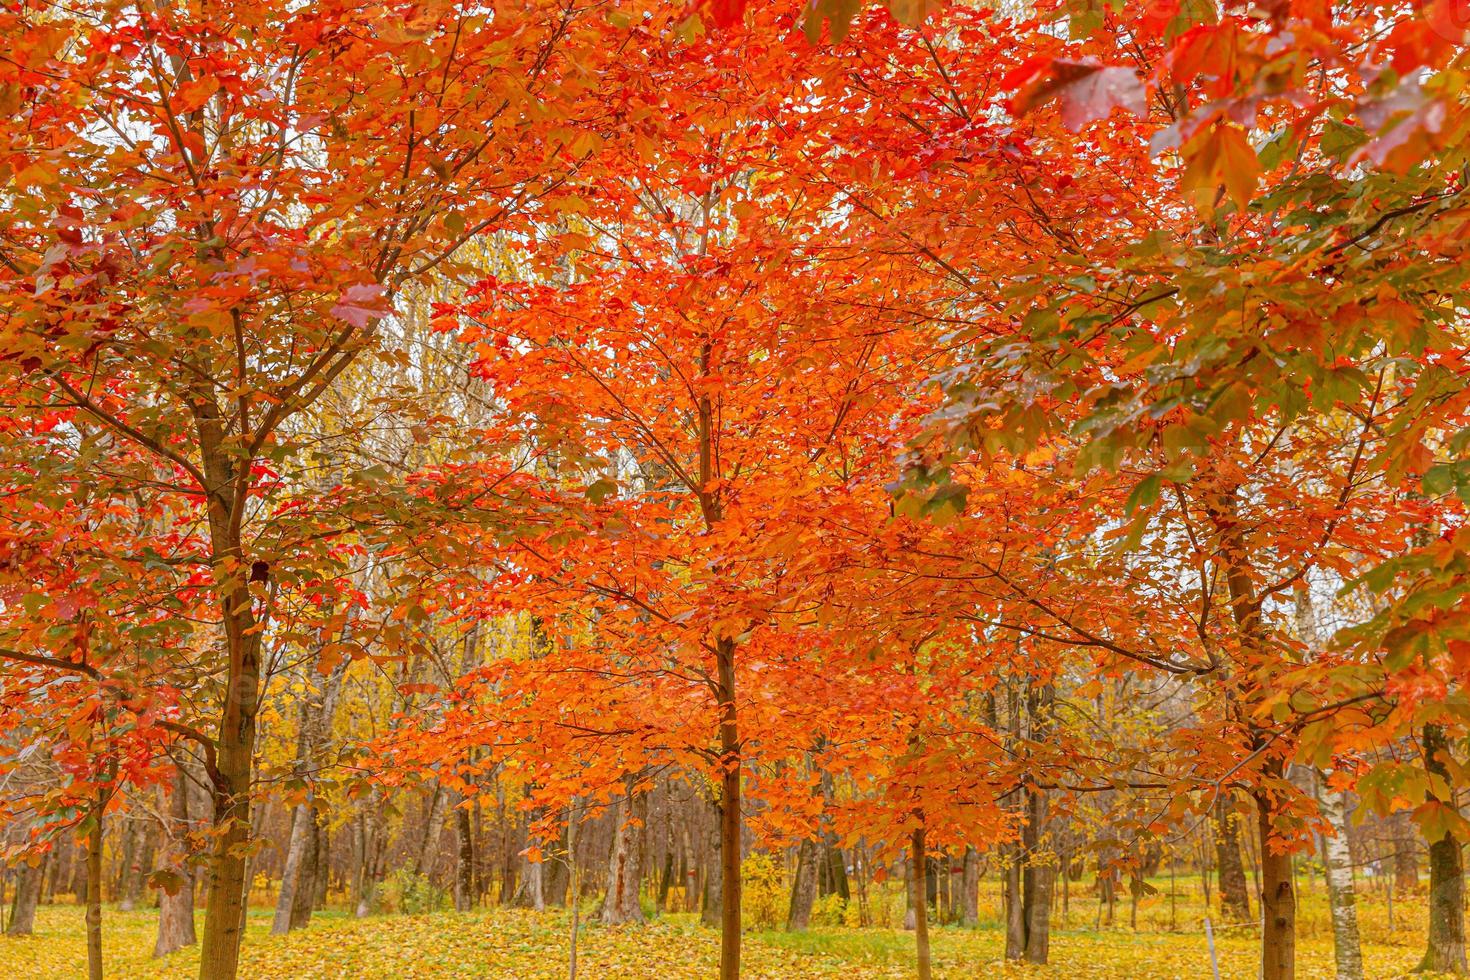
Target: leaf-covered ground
(523, 945)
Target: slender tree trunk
(574, 887)
(303, 901)
(1405, 853)
(1039, 874)
(803, 887)
(311, 874)
(969, 902)
(1235, 903)
(370, 846)
(1278, 897)
(714, 889)
(128, 860)
(428, 850)
(94, 887)
(1037, 886)
(27, 897)
(464, 865)
(301, 828)
(666, 880)
(625, 862)
(176, 910)
(1015, 905)
(1445, 949)
(730, 818)
(1338, 865)
(235, 747)
(532, 893)
(918, 859)
(133, 881)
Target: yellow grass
(507, 943)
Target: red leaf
(1088, 89)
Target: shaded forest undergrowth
(524, 944)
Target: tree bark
(803, 887)
(1405, 853)
(132, 889)
(370, 844)
(970, 889)
(300, 839)
(714, 889)
(1038, 876)
(1278, 896)
(234, 747)
(1015, 904)
(918, 859)
(1445, 949)
(464, 863)
(128, 860)
(94, 888)
(1235, 903)
(730, 819)
(1338, 863)
(1037, 886)
(428, 851)
(27, 897)
(625, 863)
(313, 873)
(176, 911)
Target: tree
(288, 191)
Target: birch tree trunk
(1338, 863)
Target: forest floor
(523, 945)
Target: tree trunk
(1038, 876)
(464, 861)
(94, 888)
(1278, 897)
(128, 860)
(1338, 865)
(176, 911)
(27, 897)
(714, 889)
(803, 887)
(970, 889)
(730, 820)
(1014, 904)
(235, 748)
(1037, 884)
(625, 863)
(1445, 950)
(918, 858)
(1405, 853)
(1235, 903)
(666, 880)
(532, 891)
(428, 851)
(302, 826)
(132, 889)
(304, 901)
(574, 887)
(370, 844)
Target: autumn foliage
(1029, 432)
